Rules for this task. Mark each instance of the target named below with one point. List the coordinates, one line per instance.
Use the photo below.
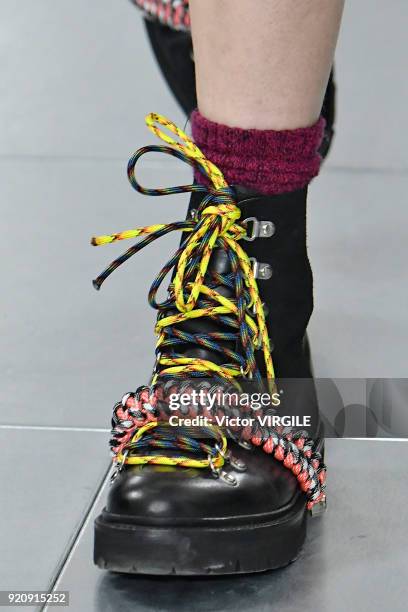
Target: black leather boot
(220, 499)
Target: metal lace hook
(242, 443)
(119, 467)
(234, 462)
(221, 474)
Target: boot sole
(200, 549)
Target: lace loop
(192, 291)
(159, 435)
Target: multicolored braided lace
(194, 293)
(215, 227)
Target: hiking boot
(205, 482)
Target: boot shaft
(276, 244)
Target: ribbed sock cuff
(268, 161)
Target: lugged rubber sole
(201, 549)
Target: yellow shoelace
(218, 225)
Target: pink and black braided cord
(173, 13)
(296, 451)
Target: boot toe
(153, 493)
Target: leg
(261, 80)
(268, 61)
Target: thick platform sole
(202, 549)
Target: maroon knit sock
(268, 161)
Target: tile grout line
(55, 428)
(369, 439)
(62, 564)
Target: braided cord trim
(148, 406)
(173, 13)
(215, 226)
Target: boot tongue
(219, 262)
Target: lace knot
(195, 288)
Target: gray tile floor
(345, 564)
(77, 80)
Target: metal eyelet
(319, 508)
(262, 271)
(255, 228)
(119, 467)
(215, 471)
(234, 462)
(246, 375)
(221, 474)
(228, 478)
(266, 229)
(242, 443)
(252, 310)
(260, 229)
(237, 464)
(156, 364)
